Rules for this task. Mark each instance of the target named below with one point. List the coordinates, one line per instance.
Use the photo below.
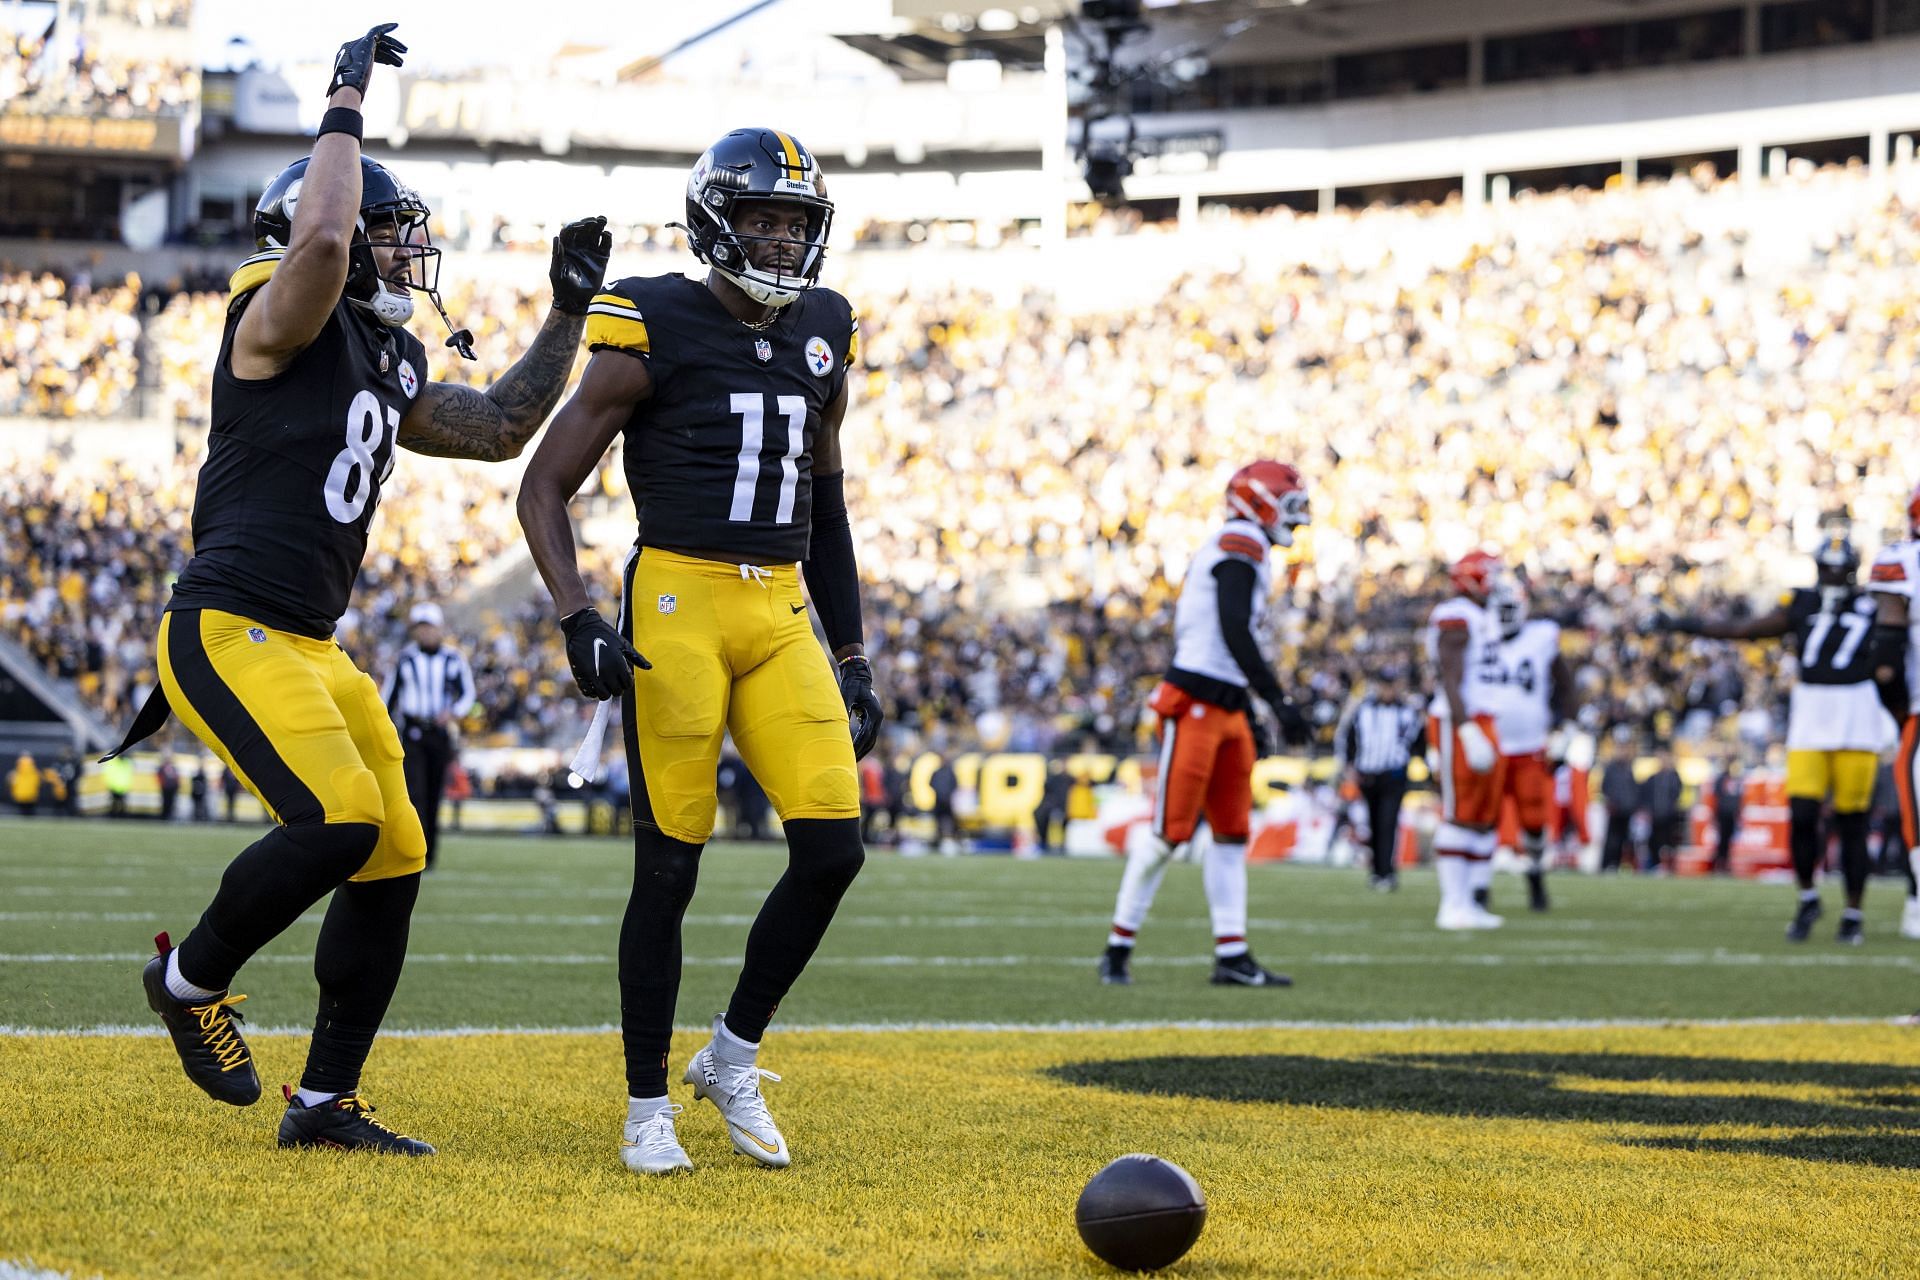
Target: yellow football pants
(299, 725)
(1847, 774)
(733, 650)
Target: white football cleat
(1463, 919)
(1910, 919)
(651, 1146)
(735, 1091)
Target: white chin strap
(389, 308)
(757, 288)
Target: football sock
(1804, 839)
(731, 1049)
(1225, 875)
(1855, 865)
(1534, 845)
(1809, 895)
(823, 857)
(1451, 869)
(312, 1098)
(178, 987)
(1119, 939)
(646, 1108)
(1146, 868)
(1913, 882)
(664, 872)
(266, 888)
(1480, 874)
(357, 960)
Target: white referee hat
(428, 613)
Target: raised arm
(1767, 626)
(287, 312)
(450, 421)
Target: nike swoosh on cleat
(772, 1151)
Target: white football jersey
(1477, 622)
(1896, 571)
(1198, 645)
(1515, 678)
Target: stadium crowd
(42, 76)
(1653, 391)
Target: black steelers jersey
(1833, 626)
(294, 467)
(720, 458)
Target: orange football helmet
(1273, 496)
(1473, 574)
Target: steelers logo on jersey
(819, 357)
(409, 380)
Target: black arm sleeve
(833, 580)
(1234, 585)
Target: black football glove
(601, 658)
(1295, 729)
(864, 716)
(580, 255)
(353, 65)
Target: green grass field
(953, 1073)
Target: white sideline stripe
(1678, 959)
(146, 1030)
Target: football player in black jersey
(729, 392)
(315, 385)
(1835, 723)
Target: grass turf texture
(1718, 1151)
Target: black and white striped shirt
(424, 686)
(1376, 736)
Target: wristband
(340, 120)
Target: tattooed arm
(450, 421)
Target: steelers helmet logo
(819, 357)
(409, 380)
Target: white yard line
(1609, 959)
(154, 1030)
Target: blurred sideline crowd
(1645, 395)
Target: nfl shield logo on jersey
(819, 357)
(763, 349)
(669, 603)
(256, 635)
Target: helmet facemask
(742, 169)
(1278, 515)
(731, 251)
(1509, 602)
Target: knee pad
(342, 848)
(826, 851)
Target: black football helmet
(384, 200)
(1838, 560)
(756, 164)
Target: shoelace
(657, 1129)
(216, 1031)
(755, 573)
(362, 1108)
(743, 1087)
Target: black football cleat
(211, 1049)
(1113, 967)
(1537, 891)
(1803, 920)
(1852, 930)
(345, 1123)
(1245, 971)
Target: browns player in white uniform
(1468, 768)
(1207, 738)
(1895, 582)
(1527, 683)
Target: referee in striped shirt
(1376, 737)
(429, 690)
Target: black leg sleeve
(664, 873)
(823, 857)
(1854, 863)
(362, 948)
(1804, 838)
(267, 888)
